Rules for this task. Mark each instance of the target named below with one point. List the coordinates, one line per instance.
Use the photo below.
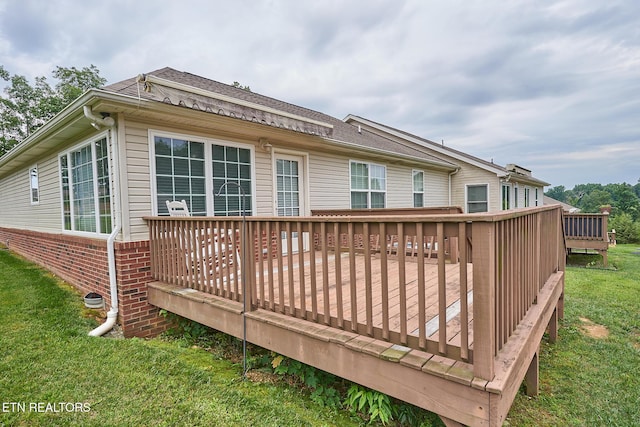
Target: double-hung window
(527, 197)
(477, 198)
(368, 185)
(418, 189)
(86, 188)
(506, 197)
(194, 170)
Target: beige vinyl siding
(18, 212)
(436, 188)
(470, 175)
(328, 181)
(399, 186)
(264, 196)
(136, 183)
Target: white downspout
(112, 314)
(450, 175)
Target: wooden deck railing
(587, 231)
(584, 226)
(292, 267)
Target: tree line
(24, 106)
(623, 200)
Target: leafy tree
(624, 200)
(239, 86)
(627, 231)
(73, 82)
(591, 202)
(25, 107)
(557, 193)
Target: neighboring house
(73, 196)
(565, 206)
(476, 185)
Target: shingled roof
(199, 93)
(513, 170)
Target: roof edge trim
(149, 78)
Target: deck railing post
(562, 259)
(484, 299)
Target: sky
(553, 86)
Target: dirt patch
(636, 340)
(263, 377)
(593, 330)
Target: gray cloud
(552, 86)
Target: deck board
(286, 279)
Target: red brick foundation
(82, 261)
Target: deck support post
(532, 376)
(553, 327)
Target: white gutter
(112, 314)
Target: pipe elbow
(101, 121)
(112, 315)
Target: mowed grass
(46, 357)
(587, 378)
(591, 375)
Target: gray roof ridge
(429, 142)
(342, 131)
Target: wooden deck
(341, 301)
(587, 231)
(455, 334)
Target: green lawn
(46, 357)
(587, 379)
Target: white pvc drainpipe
(450, 175)
(112, 314)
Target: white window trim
(508, 186)
(537, 196)
(527, 196)
(413, 172)
(31, 187)
(76, 147)
(516, 195)
(208, 168)
(306, 200)
(351, 161)
(466, 195)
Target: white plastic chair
(178, 208)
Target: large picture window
(477, 198)
(195, 170)
(86, 188)
(180, 174)
(368, 185)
